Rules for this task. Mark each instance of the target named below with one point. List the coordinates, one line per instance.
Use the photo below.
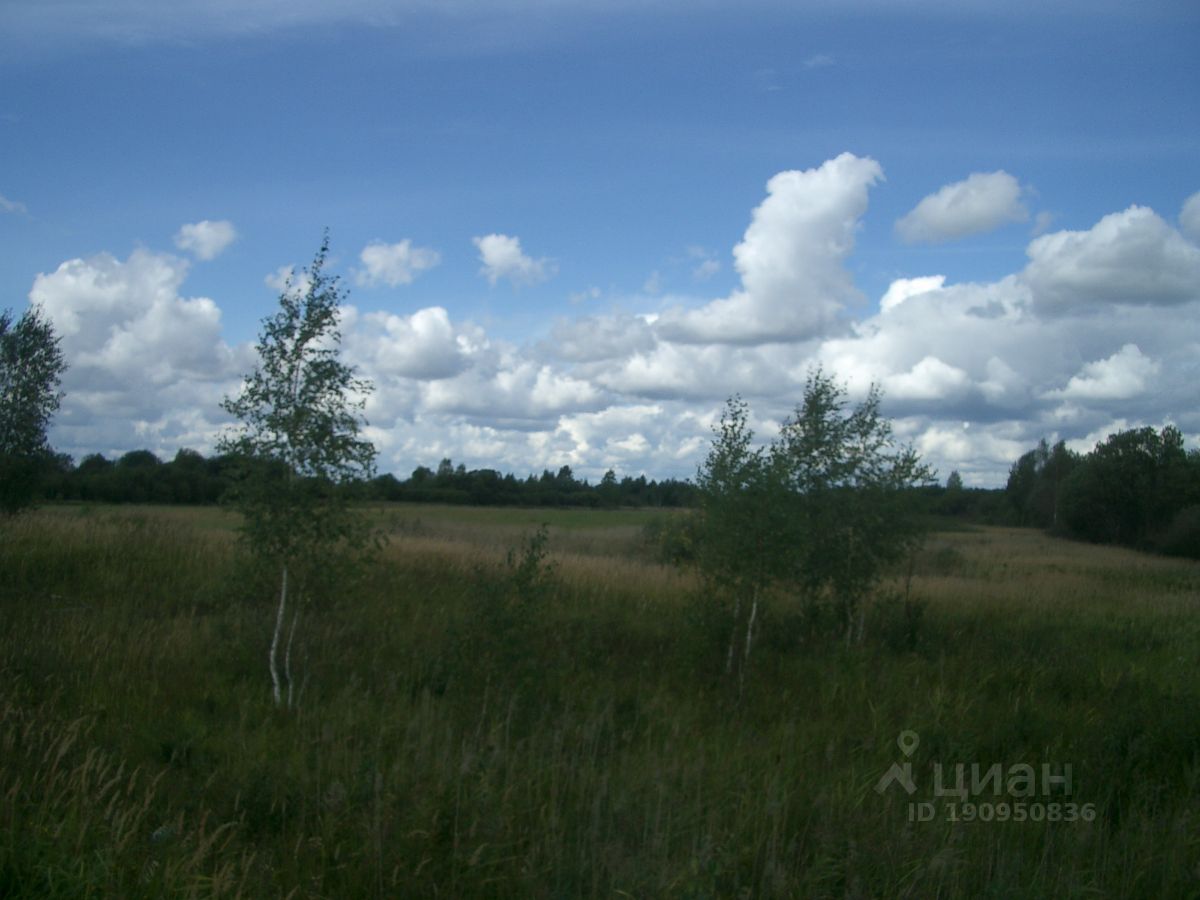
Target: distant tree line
(1139, 488)
(190, 478)
(488, 487)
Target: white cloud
(903, 288)
(790, 260)
(819, 61)
(1127, 373)
(982, 202)
(1016, 358)
(502, 257)
(593, 338)
(929, 379)
(394, 264)
(1189, 217)
(12, 206)
(513, 390)
(422, 346)
(147, 366)
(205, 239)
(1130, 257)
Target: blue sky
(554, 195)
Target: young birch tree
(298, 438)
(845, 480)
(739, 525)
(819, 513)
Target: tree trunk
(749, 638)
(274, 655)
(287, 655)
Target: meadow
(488, 715)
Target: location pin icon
(908, 742)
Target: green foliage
(498, 641)
(819, 514)
(1133, 489)
(31, 369)
(298, 429)
(1036, 482)
(846, 483)
(742, 548)
(1182, 537)
(672, 539)
(297, 438)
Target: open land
(477, 720)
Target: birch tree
(739, 528)
(846, 480)
(298, 439)
(818, 514)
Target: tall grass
(472, 731)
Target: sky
(567, 232)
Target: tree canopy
(31, 369)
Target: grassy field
(471, 730)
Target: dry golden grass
(1013, 570)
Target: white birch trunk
(274, 655)
(749, 639)
(287, 655)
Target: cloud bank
(1100, 328)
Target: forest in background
(1138, 488)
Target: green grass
(468, 734)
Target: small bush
(671, 539)
(506, 610)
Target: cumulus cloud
(982, 202)
(204, 239)
(929, 379)
(794, 284)
(903, 288)
(1189, 217)
(973, 373)
(1130, 257)
(593, 338)
(424, 345)
(503, 258)
(143, 360)
(1127, 373)
(394, 264)
(514, 390)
